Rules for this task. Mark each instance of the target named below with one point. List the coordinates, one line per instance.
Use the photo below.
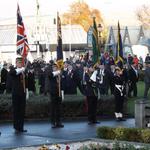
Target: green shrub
(133, 134)
(120, 133)
(106, 132)
(145, 135)
(125, 134)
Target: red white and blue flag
(22, 42)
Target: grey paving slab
(40, 132)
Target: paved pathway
(40, 132)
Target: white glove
(62, 94)
(56, 73)
(19, 70)
(27, 94)
(93, 76)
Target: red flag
(22, 42)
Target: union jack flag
(22, 42)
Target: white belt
(120, 88)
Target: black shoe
(118, 119)
(54, 126)
(59, 126)
(96, 122)
(93, 122)
(122, 119)
(20, 131)
(90, 123)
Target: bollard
(142, 113)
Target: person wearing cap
(56, 93)
(147, 78)
(91, 93)
(19, 95)
(147, 58)
(119, 91)
(4, 74)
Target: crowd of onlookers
(38, 70)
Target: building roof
(134, 33)
(47, 33)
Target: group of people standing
(93, 81)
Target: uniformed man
(133, 77)
(91, 93)
(31, 79)
(4, 74)
(19, 95)
(56, 96)
(147, 78)
(119, 92)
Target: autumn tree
(143, 15)
(80, 13)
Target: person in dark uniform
(42, 80)
(91, 93)
(133, 77)
(31, 80)
(147, 78)
(119, 91)
(4, 74)
(9, 81)
(70, 81)
(56, 96)
(19, 95)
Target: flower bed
(91, 145)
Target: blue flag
(59, 44)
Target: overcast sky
(112, 10)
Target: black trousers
(119, 100)
(147, 87)
(19, 103)
(55, 109)
(92, 108)
(133, 87)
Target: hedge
(124, 134)
(38, 106)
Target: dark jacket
(90, 88)
(132, 76)
(54, 85)
(147, 75)
(119, 85)
(31, 81)
(17, 82)
(69, 82)
(4, 73)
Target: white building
(45, 32)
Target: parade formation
(96, 73)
